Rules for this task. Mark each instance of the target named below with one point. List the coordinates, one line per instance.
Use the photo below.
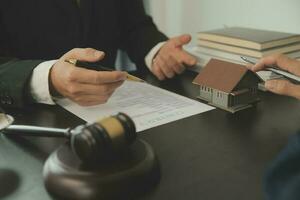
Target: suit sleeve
(14, 77)
(282, 179)
(14, 81)
(139, 33)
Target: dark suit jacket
(282, 180)
(32, 31)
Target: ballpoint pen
(98, 67)
(273, 69)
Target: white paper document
(147, 105)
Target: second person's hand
(84, 87)
(282, 87)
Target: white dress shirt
(39, 83)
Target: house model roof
(221, 75)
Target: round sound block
(127, 176)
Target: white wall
(190, 16)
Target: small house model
(226, 85)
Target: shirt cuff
(39, 83)
(150, 56)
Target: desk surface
(214, 155)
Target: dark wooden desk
(211, 156)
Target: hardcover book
(249, 38)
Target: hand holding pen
(282, 87)
(83, 86)
(99, 67)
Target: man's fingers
(88, 55)
(178, 67)
(82, 75)
(165, 68)
(91, 100)
(249, 66)
(172, 63)
(288, 64)
(79, 89)
(282, 61)
(171, 59)
(262, 63)
(283, 87)
(185, 58)
(156, 70)
(181, 40)
(109, 77)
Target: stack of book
(230, 44)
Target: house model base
(228, 86)
(233, 109)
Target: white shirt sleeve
(39, 83)
(152, 54)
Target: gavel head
(111, 135)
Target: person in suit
(36, 37)
(282, 179)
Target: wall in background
(190, 16)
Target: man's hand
(282, 87)
(172, 59)
(83, 86)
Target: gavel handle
(36, 131)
